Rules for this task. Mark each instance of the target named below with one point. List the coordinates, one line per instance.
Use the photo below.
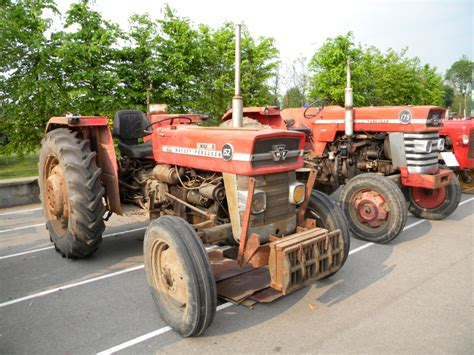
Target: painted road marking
(150, 335)
(65, 287)
(21, 211)
(166, 329)
(20, 228)
(52, 246)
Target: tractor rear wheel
(375, 207)
(71, 193)
(179, 275)
(329, 216)
(435, 204)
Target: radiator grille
(276, 186)
(421, 160)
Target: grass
(13, 166)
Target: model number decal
(206, 146)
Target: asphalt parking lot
(414, 294)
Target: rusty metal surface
(224, 268)
(238, 288)
(246, 220)
(309, 188)
(304, 257)
(265, 296)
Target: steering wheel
(190, 120)
(305, 112)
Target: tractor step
(304, 257)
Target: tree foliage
(459, 77)
(378, 78)
(92, 67)
(30, 82)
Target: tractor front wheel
(329, 216)
(375, 207)
(71, 193)
(435, 204)
(179, 275)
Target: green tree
(293, 98)
(137, 64)
(448, 97)
(459, 76)
(378, 78)
(30, 82)
(87, 57)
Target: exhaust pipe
(237, 100)
(349, 119)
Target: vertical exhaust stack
(237, 100)
(349, 119)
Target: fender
(96, 129)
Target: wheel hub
(170, 274)
(371, 208)
(428, 198)
(56, 193)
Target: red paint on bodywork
(455, 130)
(188, 137)
(426, 181)
(325, 123)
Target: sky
(439, 32)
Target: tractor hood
(371, 119)
(242, 151)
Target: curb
(17, 192)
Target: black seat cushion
(129, 125)
(137, 151)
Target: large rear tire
(71, 193)
(179, 275)
(435, 204)
(375, 207)
(329, 216)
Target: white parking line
(65, 287)
(21, 211)
(52, 246)
(20, 228)
(138, 267)
(150, 335)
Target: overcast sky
(438, 32)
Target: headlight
(465, 139)
(297, 192)
(422, 146)
(259, 201)
(440, 144)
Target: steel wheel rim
(55, 196)
(427, 198)
(168, 275)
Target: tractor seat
(129, 126)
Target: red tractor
(459, 139)
(382, 156)
(226, 205)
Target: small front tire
(435, 204)
(329, 216)
(179, 275)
